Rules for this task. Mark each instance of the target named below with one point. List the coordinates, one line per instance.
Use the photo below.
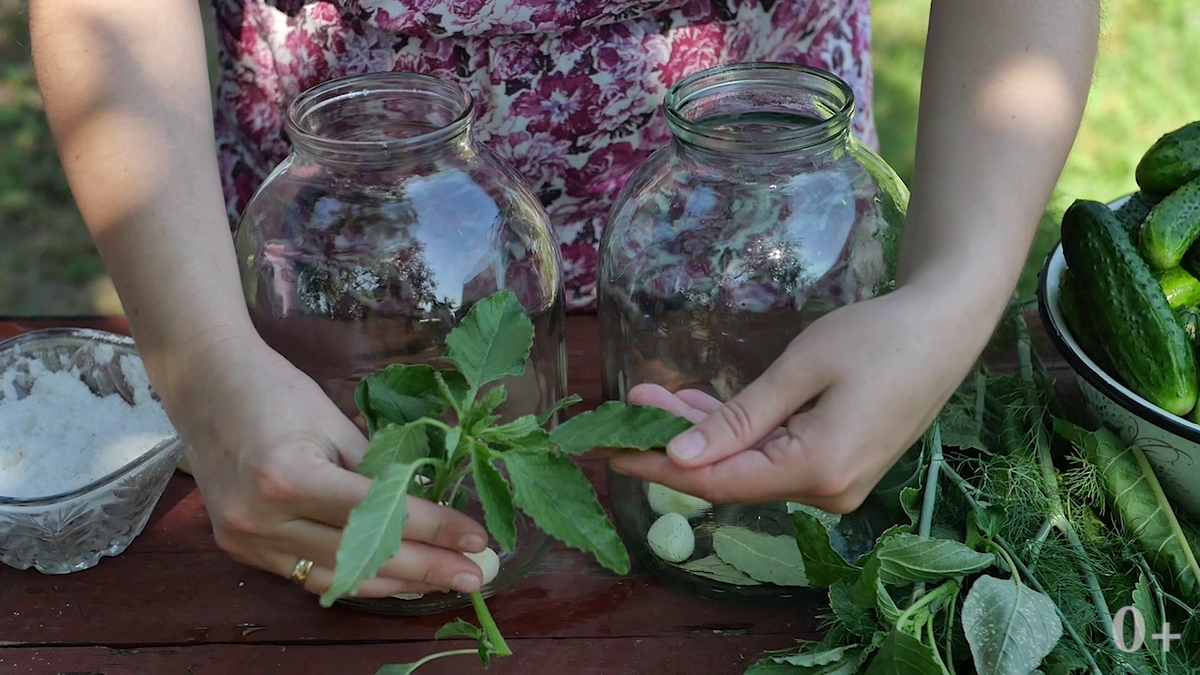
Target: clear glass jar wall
(370, 242)
(387, 222)
(762, 215)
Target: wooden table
(175, 603)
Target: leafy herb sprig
(432, 429)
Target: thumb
(750, 416)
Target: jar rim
(321, 98)
(831, 91)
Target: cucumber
(1172, 226)
(1134, 211)
(1077, 322)
(1189, 318)
(1172, 161)
(1181, 288)
(1133, 322)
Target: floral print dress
(567, 91)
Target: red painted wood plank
(700, 654)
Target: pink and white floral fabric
(568, 91)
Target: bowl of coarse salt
(86, 449)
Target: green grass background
(1144, 86)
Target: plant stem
(489, 625)
(950, 633)
(1036, 585)
(1089, 575)
(947, 587)
(980, 399)
(453, 652)
(925, 522)
(933, 645)
(1030, 579)
(931, 481)
(1162, 607)
(1050, 477)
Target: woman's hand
(275, 459)
(826, 420)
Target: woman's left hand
(825, 422)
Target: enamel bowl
(1171, 443)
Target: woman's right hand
(275, 461)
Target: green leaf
(907, 558)
(514, 432)
(372, 533)
(1009, 626)
(458, 629)
(764, 557)
(494, 494)
(616, 425)
(561, 405)
(866, 587)
(903, 654)
(454, 398)
(1144, 602)
(403, 393)
(813, 660)
(551, 489)
(712, 567)
(492, 341)
(394, 445)
(1134, 493)
(855, 619)
(480, 416)
(960, 426)
(822, 565)
(910, 499)
(885, 604)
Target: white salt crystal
(62, 436)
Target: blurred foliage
(1149, 61)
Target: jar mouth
(378, 113)
(760, 108)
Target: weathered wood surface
(174, 603)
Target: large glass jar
(763, 214)
(368, 244)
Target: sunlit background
(1144, 86)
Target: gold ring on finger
(301, 570)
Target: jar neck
(759, 114)
(381, 120)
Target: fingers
(415, 562)
(660, 397)
(785, 387)
(327, 494)
(320, 578)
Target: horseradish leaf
(616, 425)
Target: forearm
(1002, 95)
(126, 92)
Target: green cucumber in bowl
(1134, 324)
(1134, 211)
(1181, 288)
(1173, 160)
(1077, 321)
(1171, 227)
(1189, 319)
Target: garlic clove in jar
(671, 538)
(489, 563)
(664, 500)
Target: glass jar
(385, 224)
(763, 214)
